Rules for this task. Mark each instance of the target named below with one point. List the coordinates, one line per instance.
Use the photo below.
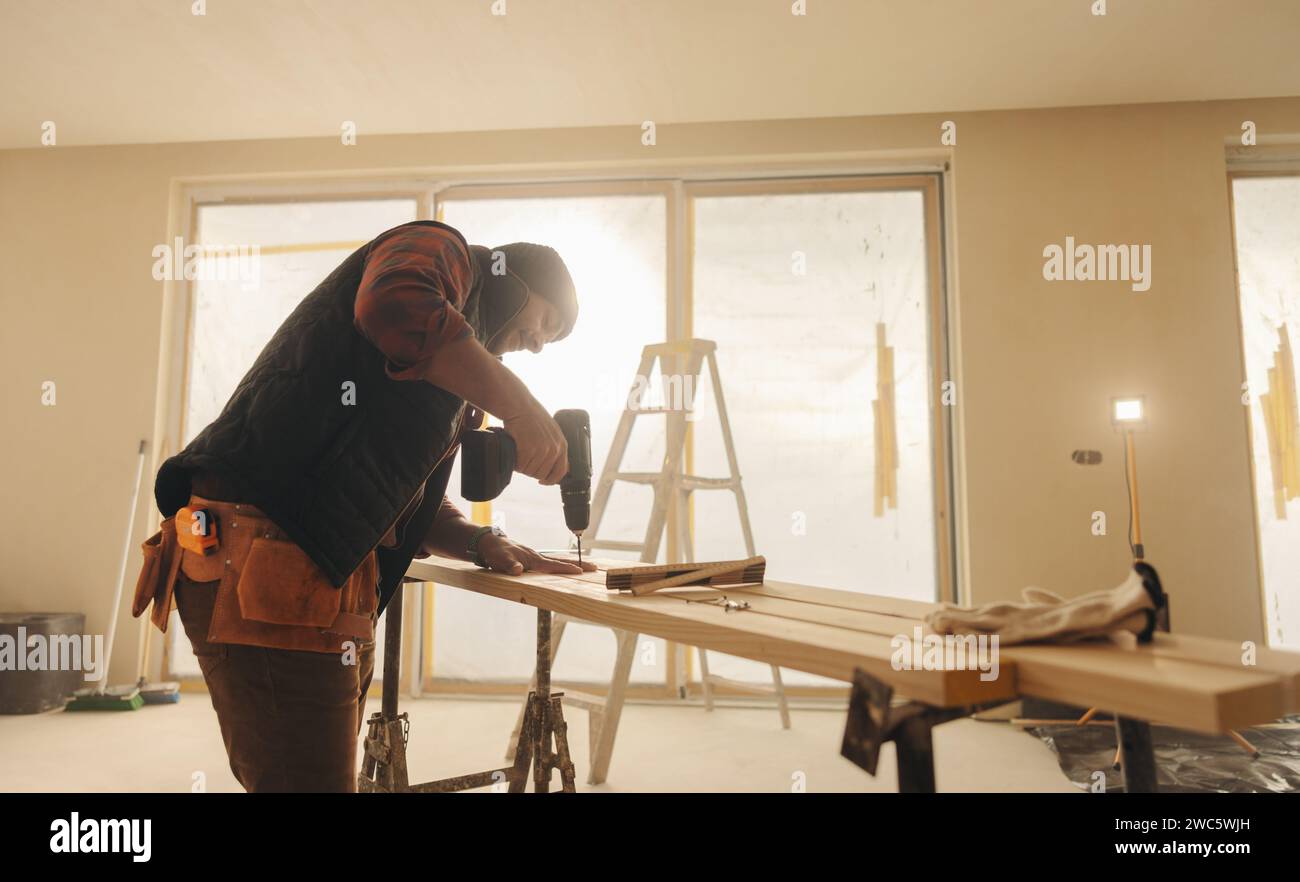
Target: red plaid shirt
(415, 283)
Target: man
(325, 474)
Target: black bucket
(27, 691)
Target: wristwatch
(474, 540)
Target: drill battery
(487, 460)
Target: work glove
(1045, 617)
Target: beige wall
(1038, 361)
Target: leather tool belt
(269, 592)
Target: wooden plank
(837, 599)
(818, 649)
(1282, 664)
(832, 597)
(1198, 651)
(1146, 686)
(840, 609)
(816, 614)
(1202, 670)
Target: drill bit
(579, 535)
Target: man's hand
(511, 558)
(542, 452)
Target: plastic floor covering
(1186, 762)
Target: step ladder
(672, 489)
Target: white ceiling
(130, 71)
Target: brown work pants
(289, 718)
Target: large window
(1267, 228)
(614, 245)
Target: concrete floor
(660, 748)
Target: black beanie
(500, 298)
(544, 272)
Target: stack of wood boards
(1188, 682)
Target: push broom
(165, 692)
(117, 697)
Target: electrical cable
(1128, 488)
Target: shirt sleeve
(416, 280)
(446, 512)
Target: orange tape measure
(196, 530)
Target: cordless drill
(488, 461)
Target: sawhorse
(543, 742)
(874, 718)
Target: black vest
(333, 475)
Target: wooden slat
(837, 599)
(785, 607)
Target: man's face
(537, 324)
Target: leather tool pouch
(281, 585)
(157, 577)
(267, 590)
